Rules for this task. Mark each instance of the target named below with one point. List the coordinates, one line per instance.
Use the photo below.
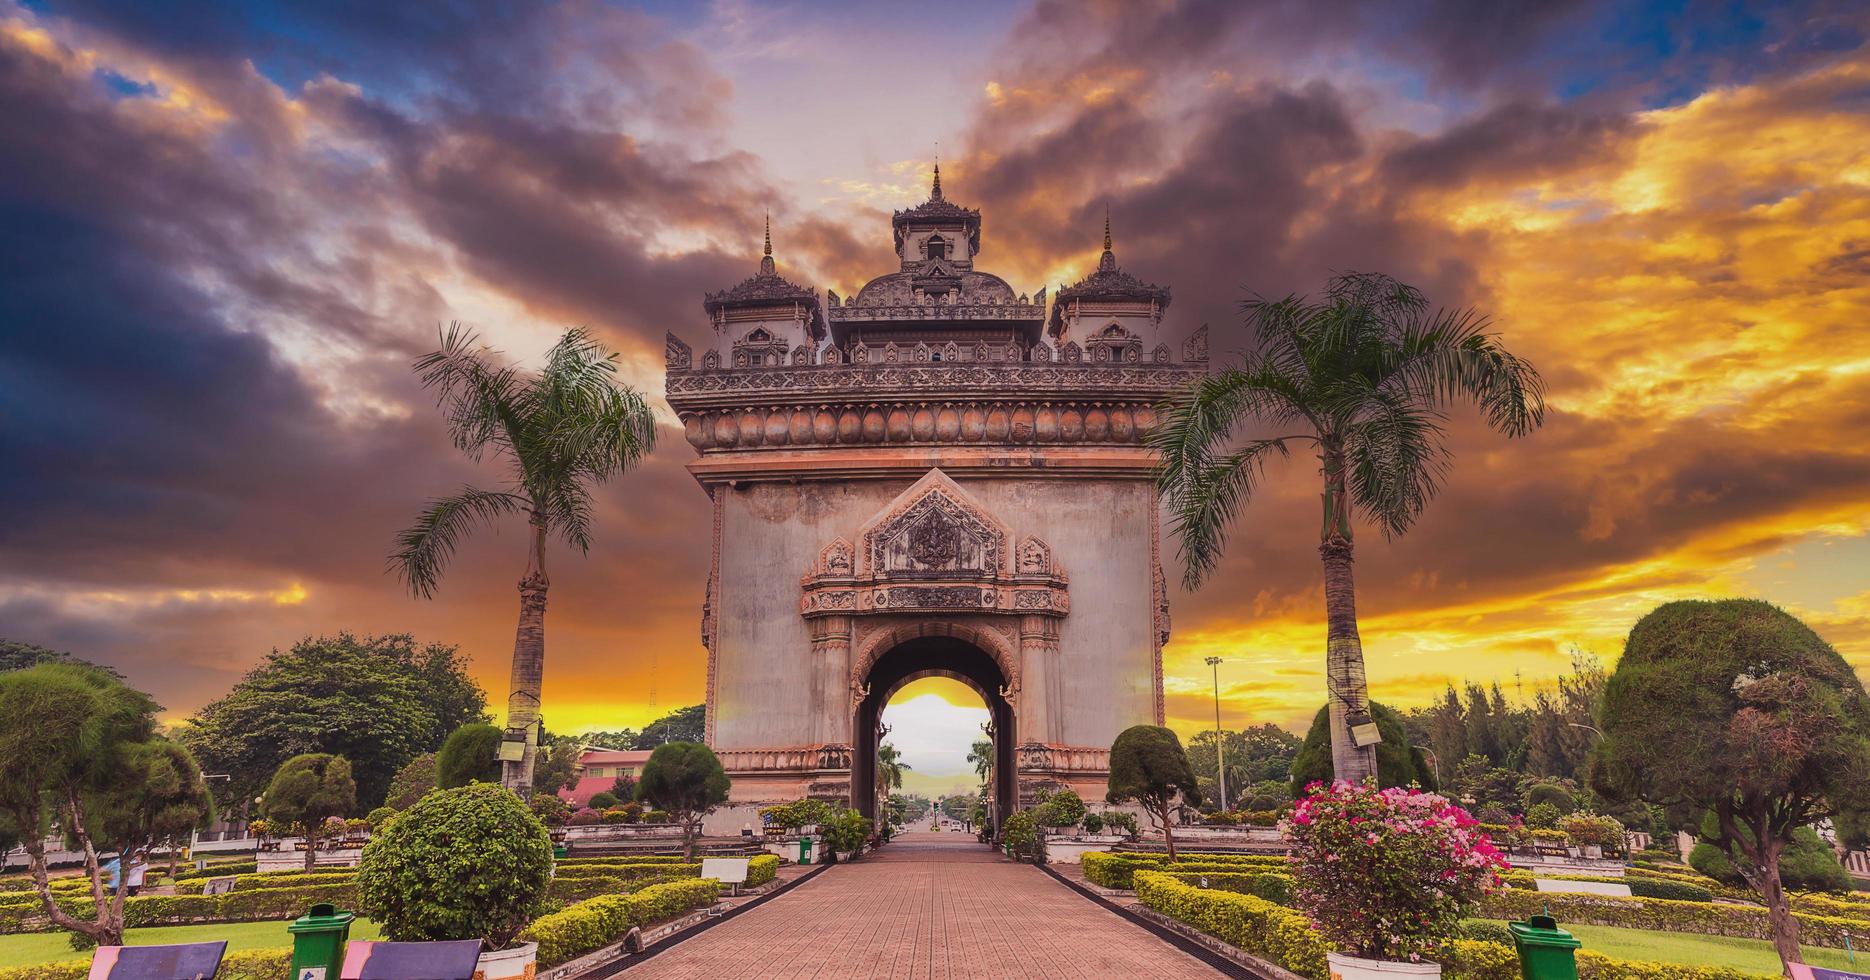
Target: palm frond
(479, 400)
(1207, 498)
(1397, 458)
(425, 547)
(1448, 357)
(568, 511)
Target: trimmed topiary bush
(471, 754)
(1398, 762)
(1543, 816)
(1558, 796)
(603, 801)
(465, 863)
(1061, 809)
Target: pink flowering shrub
(1387, 874)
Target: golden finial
(1106, 226)
(935, 192)
(769, 233)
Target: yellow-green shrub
(1268, 931)
(595, 923)
(246, 964)
(1666, 915)
(1114, 870)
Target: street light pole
(1220, 761)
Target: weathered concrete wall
(1099, 531)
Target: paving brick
(926, 907)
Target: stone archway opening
(934, 656)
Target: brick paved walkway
(926, 906)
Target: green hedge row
(272, 879)
(1273, 886)
(1640, 887)
(1283, 936)
(246, 964)
(762, 869)
(1665, 915)
(1115, 870)
(1476, 960)
(168, 910)
(572, 862)
(218, 870)
(615, 880)
(595, 923)
(1266, 930)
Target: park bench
(187, 961)
(369, 960)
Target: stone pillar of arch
(1039, 705)
(830, 680)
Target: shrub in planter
(1543, 816)
(1093, 823)
(799, 813)
(1593, 830)
(632, 812)
(1388, 874)
(1020, 831)
(1118, 821)
(465, 863)
(1558, 796)
(1260, 818)
(584, 817)
(846, 832)
(658, 816)
(1219, 819)
(1061, 809)
(603, 801)
(551, 810)
(617, 815)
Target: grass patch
(50, 947)
(1752, 955)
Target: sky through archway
(933, 722)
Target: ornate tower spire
(935, 191)
(766, 259)
(769, 233)
(1108, 261)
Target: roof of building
(767, 288)
(598, 756)
(1108, 283)
(938, 211)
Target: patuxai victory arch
(937, 476)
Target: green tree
(471, 754)
(686, 779)
(681, 725)
(890, 767)
(306, 791)
(379, 701)
(1737, 708)
(558, 766)
(412, 782)
(980, 756)
(159, 799)
(1148, 766)
(561, 431)
(465, 863)
(1806, 864)
(69, 733)
(622, 738)
(1398, 762)
(1363, 378)
(1256, 754)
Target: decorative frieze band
(1042, 757)
(804, 758)
(985, 422)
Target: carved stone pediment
(935, 548)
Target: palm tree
(560, 431)
(890, 767)
(1364, 378)
(980, 756)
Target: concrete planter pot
(1357, 968)
(519, 963)
(844, 856)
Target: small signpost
(727, 871)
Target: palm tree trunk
(1344, 652)
(522, 702)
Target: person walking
(139, 870)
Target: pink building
(601, 769)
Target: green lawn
(41, 947)
(1752, 955)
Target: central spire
(935, 191)
(1108, 261)
(769, 233)
(766, 259)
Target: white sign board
(1583, 887)
(727, 871)
(312, 973)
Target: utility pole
(1220, 760)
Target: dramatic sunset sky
(226, 229)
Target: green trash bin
(318, 939)
(805, 850)
(1546, 952)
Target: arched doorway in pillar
(934, 656)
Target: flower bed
(1664, 915)
(245, 964)
(595, 923)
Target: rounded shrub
(584, 817)
(1558, 796)
(1807, 864)
(604, 800)
(1398, 762)
(379, 817)
(1061, 809)
(550, 809)
(1093, 823)
(471, 754)
(1021, 832)
(465, 863)
(1542, 815)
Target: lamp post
(1588, 728)
(1435, 760)
(1220, 761)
